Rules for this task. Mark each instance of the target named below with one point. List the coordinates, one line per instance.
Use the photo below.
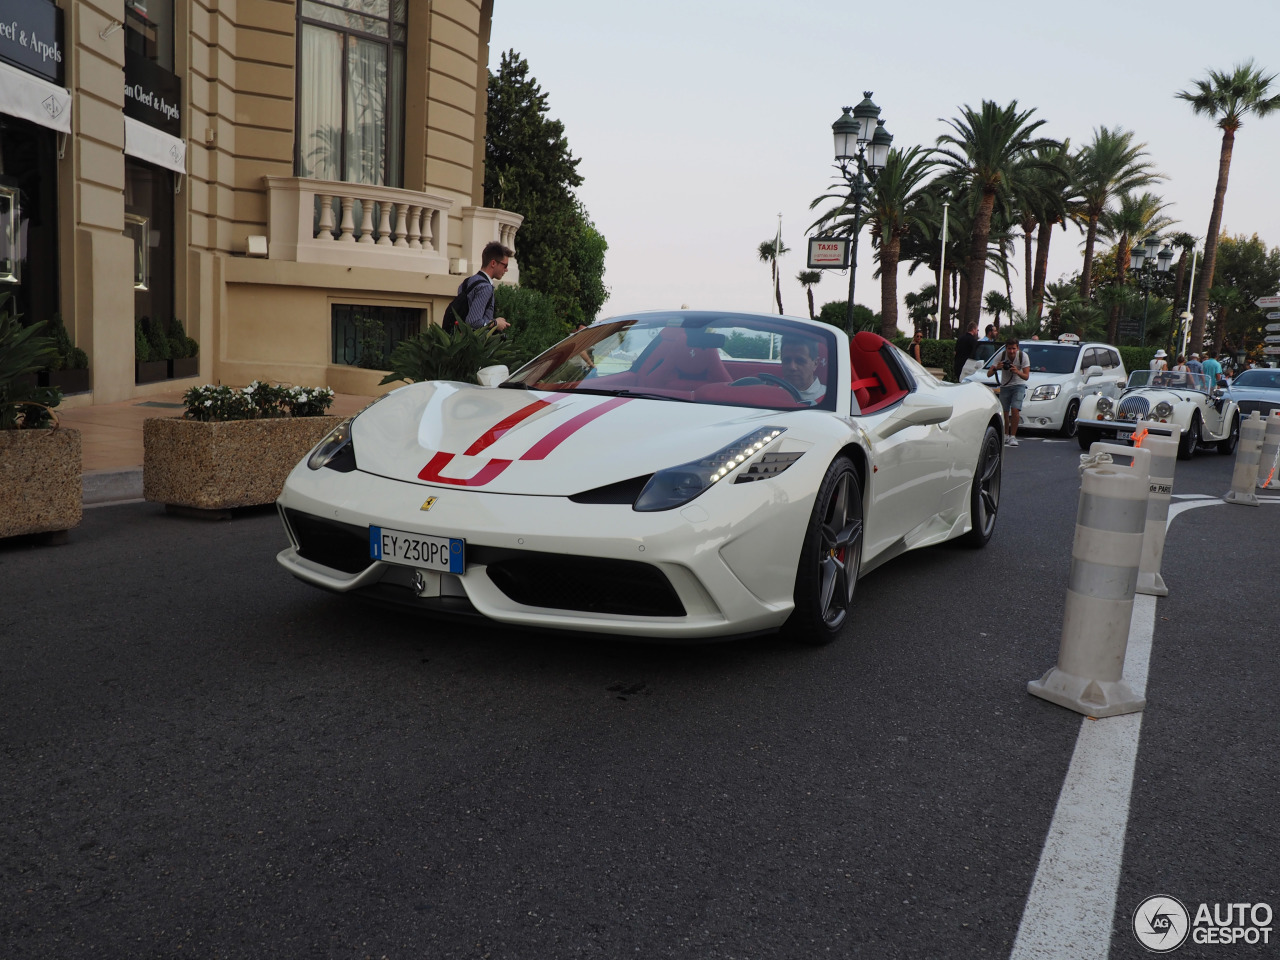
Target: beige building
(299, 184)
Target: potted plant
(183, 351)
(69, 368)
(150, 352)
(233, 447)
(40, 489)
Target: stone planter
(151, 371)
(39, 481)
(222, 465)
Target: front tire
(1087, 438)
(1228, 446)
(1068, 428)
(984, 495)
(1191, 439)
(829, 558)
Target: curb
(111, 486)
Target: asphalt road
(202, 757)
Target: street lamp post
(1147, 266)
(861, 142)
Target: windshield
(1045, 357)
(1258, 378)
(1168, 379)
(693, 357)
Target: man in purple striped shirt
(494, 260)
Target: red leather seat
(675, 364)
(875, 384)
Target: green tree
(530, 170)
(836, 311)
(1041, 196)
(809, 279)
(982, 151)
(897, 203)
(1227, 98)
(1246, 270)
(1112, 164)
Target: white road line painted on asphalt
(1073, 896)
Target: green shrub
(24, 352)
(257, 401)
(157, 338)
(436, 355)
(1138, 358)
(141, 346)
(934, 353)
(536, 322)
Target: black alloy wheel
(829, 558)
(1190, 441)
(1228, 446)
(1068, 428)
(984, 497)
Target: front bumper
(730, 559)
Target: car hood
(1254, 393)
(540, 443)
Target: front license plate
(447, 554)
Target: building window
(364, 336)
(351, 62)
(29, 219)
(148, 208)
(149, 30)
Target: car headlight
(676, 486)
(334, 442)
(1105, 406)
(1163, 409)
(1046, 391)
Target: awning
(28, 97)
(146, 143)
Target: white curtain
(366, 111)
(320, 104)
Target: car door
(913, 482)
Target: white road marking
(1073, 896)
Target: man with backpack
(474, 303)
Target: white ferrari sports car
(1169, 396)
(678, 475)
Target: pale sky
(697, 123)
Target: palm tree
(1041, 199)
(1186, 243)
(1229, 98)
(770, 251)
(1133, 219)
(996, 304)
(896, 204)
(809, 279)
(1112, 164)
(982, 151)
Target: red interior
(874, 384)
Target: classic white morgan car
(1169, 396)
(677, 475)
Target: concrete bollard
(1105, 556)
(1162, 440)
(1248, 456)
(1269, 467)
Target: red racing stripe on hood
(492, 435)
(571, 426)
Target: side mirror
(1094, 371)
(915, 411)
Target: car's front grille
(340, 546)
(1264, 407)
(1133, 408)
(586, 584)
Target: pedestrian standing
(1158, 362)
(1013, 371)
(1194, 365)
(477, 291)
(915, 348)
(966, 347)
(1212, 369)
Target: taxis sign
(828, 253)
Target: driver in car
(799, 367)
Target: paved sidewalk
(111, 440)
